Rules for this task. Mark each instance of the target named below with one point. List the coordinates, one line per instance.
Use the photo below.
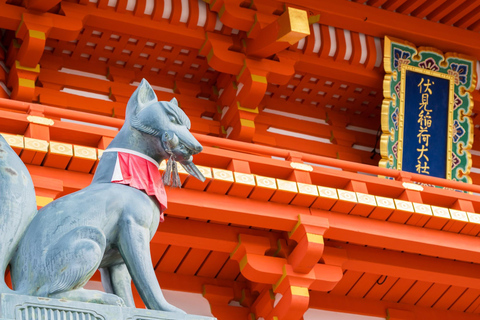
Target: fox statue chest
(106, 207)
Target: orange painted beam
(62, 28)
(64, 131)
(72, 181)
(342, 227)
(334, 117)
(160, 30)
(234, 15)
(400, 237)
(202, 235)
(405, 265)
(377, 22)
(336, 163)
(219, 298)
(358, 74)
(367, 307)
(193, 284)
(233, 210)
(283, 217)
(17, 123)
(50, 111)
(41, 5)
(193, 107)
(288, 29)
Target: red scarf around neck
(142, 174)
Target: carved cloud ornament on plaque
(426, 124)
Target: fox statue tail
(17, 205)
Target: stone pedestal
(18, 307)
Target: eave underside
(320, 102)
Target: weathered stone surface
(20, 307)
(107, 225)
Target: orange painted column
(283, 279)
(25, 55)
(246, 62)
(224, 304)
(26, 50)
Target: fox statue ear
(174, 101)
(145, 95)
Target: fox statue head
(168, 124)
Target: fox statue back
(107, 225)
(17, 205)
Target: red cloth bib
(142, 174)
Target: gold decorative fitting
(13, 140)
(162, 166)
(181, 170)
(293, 26)
(206, 171)
(458, 215)
(473, 217)
(266, 182)
(61, 148)
(40, 120)
(35, 144)
(27, 83)
(326, 192)
(37, 34)
(301, 166)
(43, 201)
(84, 152)
(299, 291)
(441, 212)
(224, 175)
(364, 198)
(20, 67)
(314, 238)
(314, 19)
(404, 205)
(412, 186)
(422, 208)
(258, 78)
(247, 123)
(247, 109)
(310, 189)
(287, 185)
(385, 202)
(244, 178)
(347, 195)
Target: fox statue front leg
(117, 280)
(136, 255)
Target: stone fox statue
(107, 225)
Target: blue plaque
(426, 111)
(425, 122)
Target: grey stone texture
(20, 307)
(53, 254)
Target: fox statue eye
(173, 119)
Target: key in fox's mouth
(180, 152)
(192, 169)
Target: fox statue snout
(182, 151)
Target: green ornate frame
(461, 70)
